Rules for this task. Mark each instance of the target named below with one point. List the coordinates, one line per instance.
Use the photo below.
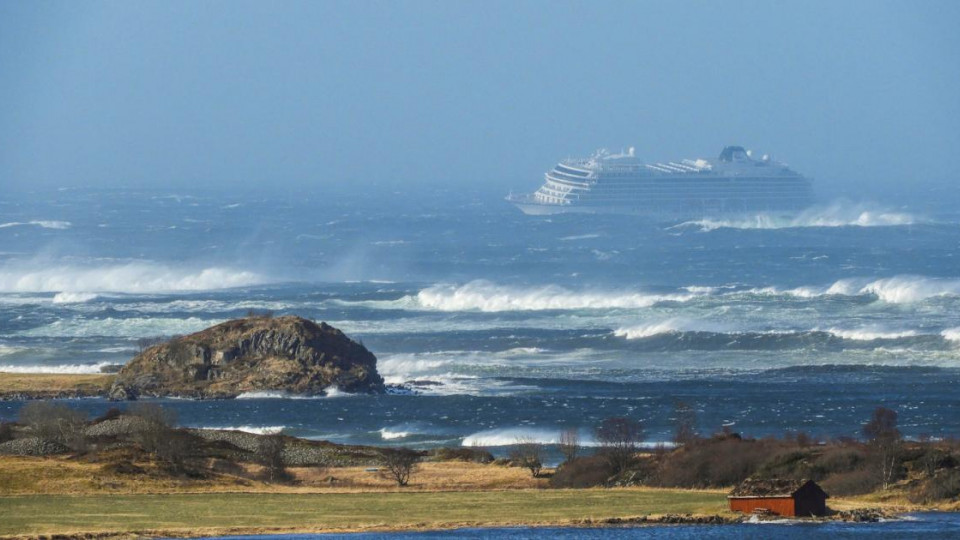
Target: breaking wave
(951, 334)
(894, 290)
(665, 327)
(73, 297)
(870, 334)
(513, 435)
(66, 369)
(44, 224)
(389, 435)
(482, 295)
(837, 215)
(139, 277)
(256, 430)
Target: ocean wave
(870, 334)
(836, 215)
(138, 277)
(73, 297)
(256, 430)
(901, 289)
(132, 328)
(42, 223)
(66, 369)
(482, 295)
(669, 326)
(513, 435)
(390, 435)
(331, 392)
(951, 334)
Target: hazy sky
(181, 94)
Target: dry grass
(64, 475)
(53, 384)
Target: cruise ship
(733, 183)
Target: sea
(913, 526)
(490, 325)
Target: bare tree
(569, 443)
(55, 422)
(270, 455)
(400, 463)
(685, 424)
(153, 426)
(885, 443)
(528, 453)
(619, 440)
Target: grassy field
(53, 384)
(195, 514)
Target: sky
(486, 95)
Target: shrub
(855, 482)
(943, 485)
(582, 472)
(6, 432)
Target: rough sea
(496, 325)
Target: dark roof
(775, 487)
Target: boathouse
(779, 496)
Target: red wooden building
(780, 497)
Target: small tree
(619, 440)
(400, 463)
(685, 424)
(55, 422)
(885, 443)
(569, 444)
(270, 455)
(528, 453)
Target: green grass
(48, 514)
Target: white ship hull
(733, 185)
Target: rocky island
(287, 354)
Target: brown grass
(64, 475)
(53, 384)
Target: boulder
(284, 354)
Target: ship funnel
(630, 151)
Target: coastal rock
(285, 354)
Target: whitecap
(42, 223)
(835, 215)
(73, 297)
(66, 369)
(256, 430)
(136, 277)
(482, 295)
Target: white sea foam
(68, 369)
(836, 215)
(389, 435)
(73, 297)
(482, 295)
(870, 333)
(513, 435)
(895, 290)
(275, 394)
(137, 277)
(256, 430)
(45, 224)
(666, 327)
(951, 334)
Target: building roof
(775, 487)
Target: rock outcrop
(284, 354)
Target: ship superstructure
(733, 183)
